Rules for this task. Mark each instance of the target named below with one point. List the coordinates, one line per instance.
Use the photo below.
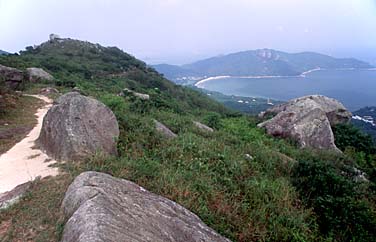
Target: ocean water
(354, 88)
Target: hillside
(243, 183)
(96, 68)
(365, 120)
(264, 62)
(3, 52)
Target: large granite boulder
(12, 77)
(334, 110)
(37, 74)
(99, 207)
(307, 120)
(78, 126)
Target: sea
(355, 88)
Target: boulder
(307, 120)
(162, 129)
(78, 126)
(334, 110)
(99, 207)
(136, 94)
(203, 127)
(37, 74)
(12, 77)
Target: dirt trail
(23, 163)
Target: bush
(346, 135)
(344, 208)
(213, 120)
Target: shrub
(213, 120)
(343, 207)
(346, 135)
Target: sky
(181, 31)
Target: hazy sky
(177, 31)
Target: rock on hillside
(202, 127)
(100, 207)
(77, 126)
(334, 110)
(307, 120)
(163, 130)
(12, 77)
(37, 74)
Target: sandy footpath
(22, 163)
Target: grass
(208, 173)
(17, 121)
(37, 216)
(244, 200)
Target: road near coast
(23, 162)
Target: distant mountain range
(263, 62)
(3, 52)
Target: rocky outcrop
(78, 126)
(136, 94)
(12, 77)
(162, 129)
(99, 207)
(307, 120)
(333, 109)
(9, 198)
(37, 74)
(202, 127)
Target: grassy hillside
(367, 121)
(243, 183)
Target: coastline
(303, 74)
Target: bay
(354, 88)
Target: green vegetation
(248, 105)
(16, 118)
(274, 193)
(369, 114)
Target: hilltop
(243, 183)
(263, 62)
(95, 68)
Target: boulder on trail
(37, 74)
(78, 126)
(12, 77)
(307, 120)
(99, 207)
(163, 130)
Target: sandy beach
(201, 82)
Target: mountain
(365, 119)
(3, 52)
(263, 62)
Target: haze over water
(354, 88)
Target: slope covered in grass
(243, 183)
